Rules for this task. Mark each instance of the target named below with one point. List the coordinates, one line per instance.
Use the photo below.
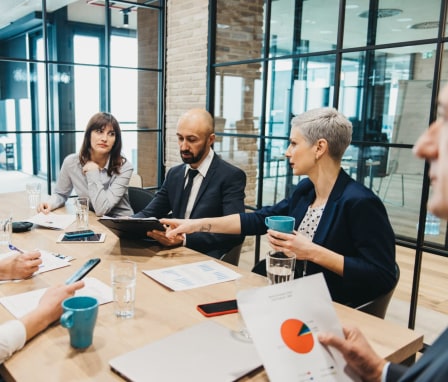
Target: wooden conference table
(158, 311)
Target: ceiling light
(125, 17)
(382, 12)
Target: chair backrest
(378, 306)
(233, 256)
(139, 198)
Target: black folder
(131, 228)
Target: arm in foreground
(357, 352)
(20, 266)
(49, 308)
(14, 333)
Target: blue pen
(14, 248)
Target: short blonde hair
(326, 123)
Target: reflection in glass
(239, 34)
(303, 26)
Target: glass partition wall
(61, 62)
(380, 62)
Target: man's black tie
(186, 193)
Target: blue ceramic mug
(79, 317)
(280, 223)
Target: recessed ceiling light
(326, 32)
(404, 20)
(382, 12)
(351, 6)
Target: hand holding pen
(21, 266)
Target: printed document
(283, 320)
(23, 303)
(53, 221)
(194, 275)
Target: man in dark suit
(433, 365)
(216, 187)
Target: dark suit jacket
(221, 193)
(432, 366)
(354, 224)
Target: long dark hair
(99, 121)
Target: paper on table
(283, 320)
(23, 303)
(53, 221)
(194, 275)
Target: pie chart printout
(297, 336)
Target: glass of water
(5, 233)
(123, 278)
(279, 267)
(33, 191)
(82, 213)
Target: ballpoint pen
(14, 248)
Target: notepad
(202, 353)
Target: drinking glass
(279, 267)
(33, 191)
(82, 213)
(123, 277)
(5, 233)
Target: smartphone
(84, 233)
(218, 308)
(81, 272)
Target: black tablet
(131, 228)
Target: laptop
(131, 228)
(202, 353)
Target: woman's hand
(90, 166)
(44, 208)
(292, 243)
(178, 227)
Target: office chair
(378, 306)
(139, 198)
(233, 256)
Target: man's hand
(357, 352)
(160, 236)
(20, 266)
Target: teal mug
(79, 317)
(280, 223)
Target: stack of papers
(194, 275)
(53, 221)
(23, 303)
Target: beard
(190, 159)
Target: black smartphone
(218, 308)
(83, 233)
(81, 272)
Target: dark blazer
(432, 366)
(354, 224)
(221, 193)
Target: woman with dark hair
(98, 172)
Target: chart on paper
(297, 336)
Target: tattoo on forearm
(205, 228)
